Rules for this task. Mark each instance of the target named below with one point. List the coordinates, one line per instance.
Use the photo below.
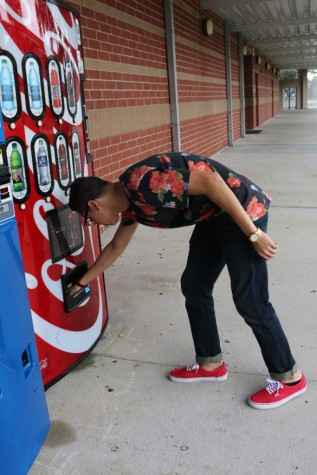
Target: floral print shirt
(157, 189)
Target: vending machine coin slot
(27, 361)
(25, 358)
(68, 280)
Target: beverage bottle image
(16, 169)
(77, 159)
(70, 87)
(55, 88)
(6, 83)
(62, 159)
(70, 230)
(42, 162)
(34, 85)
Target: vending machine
(46, 148)
(23, 409)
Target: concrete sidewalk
(117, 413)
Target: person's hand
(73, 290)
(265, 246)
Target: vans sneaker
(196, 372)
(276, 393)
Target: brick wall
(126, 85)
(262, 97)
(202, 81)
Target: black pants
(213, 245)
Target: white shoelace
(273, 386)
(193, 367)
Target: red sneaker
(195, 372)
(276, 393)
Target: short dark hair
(84, 189)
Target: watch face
(254, 238)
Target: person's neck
(119, 195)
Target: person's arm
(214, 187)
(109, 254)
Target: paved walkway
(118, 414)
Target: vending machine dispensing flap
(69, 279)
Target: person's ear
(94, 204)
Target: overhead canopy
(284, 31)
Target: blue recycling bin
(24, 419)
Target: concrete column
(229, 84)
(172, 74)
(241, 78)
(304, 88)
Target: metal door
(289, 98)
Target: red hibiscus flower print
(207, 210)
(167, 181)
(255, 209)
(177, 187)
(233, 181)
(199, 166)
(140, 195)
(158, 181)
(148, 210)
(165, 159)
(158, 225)
(136, 176)
(128, 215)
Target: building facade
(152, 74)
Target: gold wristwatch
(255, 236)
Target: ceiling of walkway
(284, 31)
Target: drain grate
(253, 131)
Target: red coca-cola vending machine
(47, 147)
